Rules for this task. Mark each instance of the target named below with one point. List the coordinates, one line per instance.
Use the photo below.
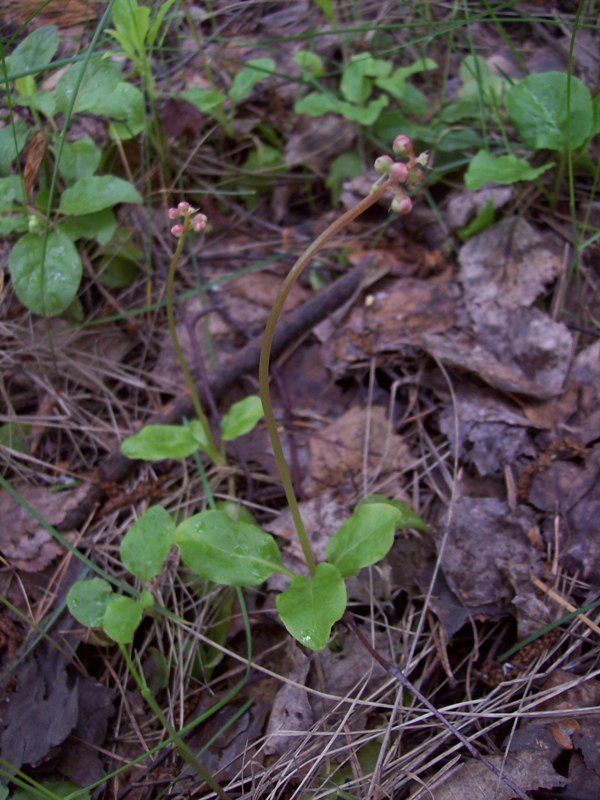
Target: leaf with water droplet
(310, 606)
(87, 601)
(227, 551)
(365, 538)
(146, 544)
(121, 618)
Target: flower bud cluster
(402, 175)
(197, 221)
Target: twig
(410, 687)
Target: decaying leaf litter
(464, 380)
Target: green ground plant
(73, 203)
(225, 548)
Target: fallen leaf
(337, 454)
(23, 541)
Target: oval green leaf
(95, 192)
(311, 606)
(87, 601)
(226, 551)
(121, 618)
(503, 170)
(100, 77)
(241, 418)
(256, 70)
(34, 52)
(46, 286)
(408, 518)
(365, 538)
(157, 442)
(537, 107)
(146, 544)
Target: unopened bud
(183, 208)
(382, 164)
(173, 213)
(402, 145)
(199, 223)
(177, 230)
(401, 204)
(399, 172)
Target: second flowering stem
(181, 230)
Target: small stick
(403, 680)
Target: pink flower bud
(177, 230)
(382, 164)
(199, 223)
(401, 204)
(183, 208)
(173, 213)
(399, 172)
(402, 145)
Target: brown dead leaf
(337, 453)
(179, 117)
(488, 556)
(508, 265)
(473, 780)
(291, 713)
(492, 432)
(34, 155)
(42, 711)
(23, 541)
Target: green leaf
(395, 84)
(537, 107)
(79, 159)
(146, 544)
(95, 192)
(131, 23)
(205, 100)
(311, 606)
(87, 601)
(44, 102)
(12, 193)
(480, 222)
(408, 518)
(486, 168)
(256, 70)
(316, 104)
(241, 418)
(233, 553)
(121, 618)
(126, 107)
(99, 226)
(153, 33)
(35, 52)
(480, 82)
(45, 287)
(346, 166)
(116, 272)
(355, 85)
(13, 138)
(54, 789)
(13, 224)
(307, 60)
(157, 442)
(365, 538)
(236, 511)
(100, 78)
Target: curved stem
(265, 358)
(211, 449)
(181, 747)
